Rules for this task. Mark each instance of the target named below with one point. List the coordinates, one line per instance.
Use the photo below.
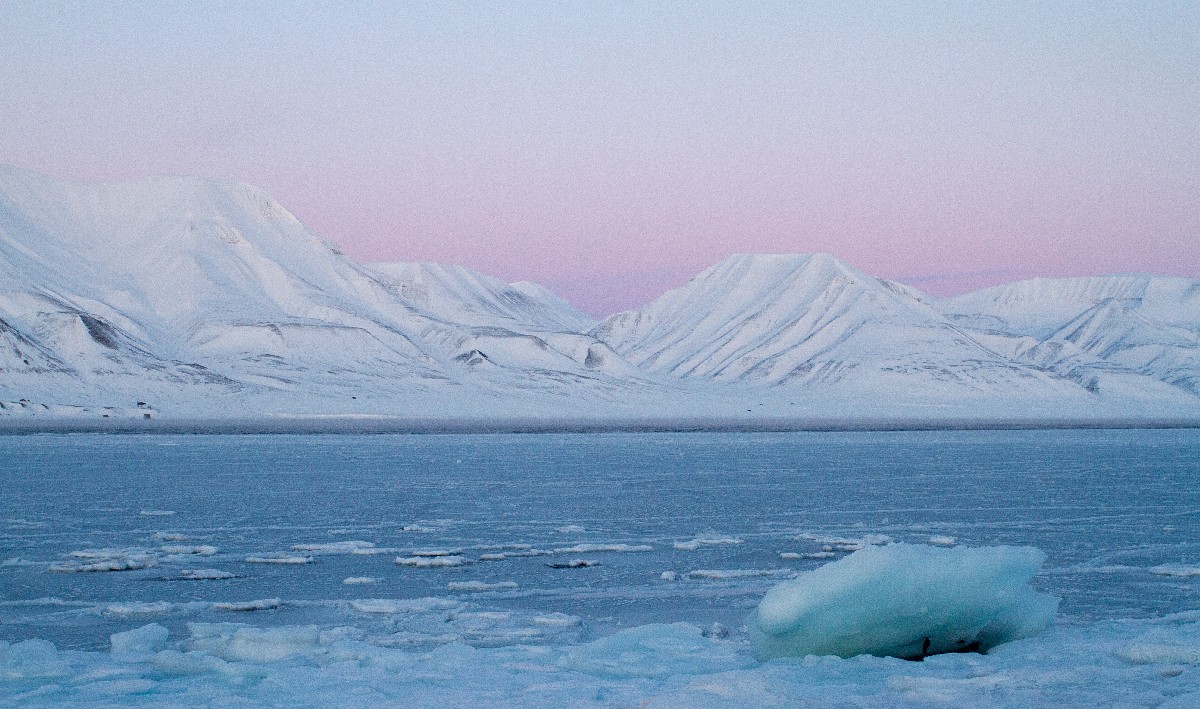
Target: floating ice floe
(808, 555)
(346, 547)
(596, 548)
(205, 575)
(415, 606)
(103, 560)
(431, 553)
(942, 540)
(481, 586)
(431, 562)
(170, 537)
(668, 576)
(263, 604)
(573, 564)
(706, 540)
(571, 529)
(139, 608)
(905, 601)
(182, 550)
(847, 544)
(727, 574)
(1176, 571)
(556, 620)
(374, 551)
(501, 556)
(359, 580)
(279, 559)
(156, 513)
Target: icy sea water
(103, 534)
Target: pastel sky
(612, 150)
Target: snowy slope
(461, 295)
(1120, 326)
(805, 320)
(145, 289)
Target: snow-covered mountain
(461, 295)
(804, 321)
(1093, 329)
(184, 288)
(199, 298)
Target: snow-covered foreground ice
(1111, 663)
(687, 534)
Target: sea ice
(481, 586)
(138, 608)
(655, 650)
(942, 540)
(359, 580)
(431, 562)
(594, 548)
(726, 574)
(279, 559)
(573, 564)
(706, 540)
(264, 604)
(346, 547)
(146, 639)
(205, 575)
(1176, 571)
(904, 601)
(197, 550)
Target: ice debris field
(529, 571)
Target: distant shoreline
(334, 424)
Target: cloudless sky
(612, 150)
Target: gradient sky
(612, 150)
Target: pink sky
(612, 152)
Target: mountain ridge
(197, 297)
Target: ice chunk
(156, 513)
(556, 620)
(197, 550)
(279, 559)
(655, 650)
(264, 604)
(668, 576)
(904, 601)
(942, 540)
(102, 560)
(573, 564)
(170, 537)
(724, 574)
(240, 643)
(346, 547)
(359, 580)
(431, 562)
(409, 605)
(481, 586)
(139, 608)
(571, 529)
(205, 575)
(146, 639)
(594, 548)
(706, 540)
